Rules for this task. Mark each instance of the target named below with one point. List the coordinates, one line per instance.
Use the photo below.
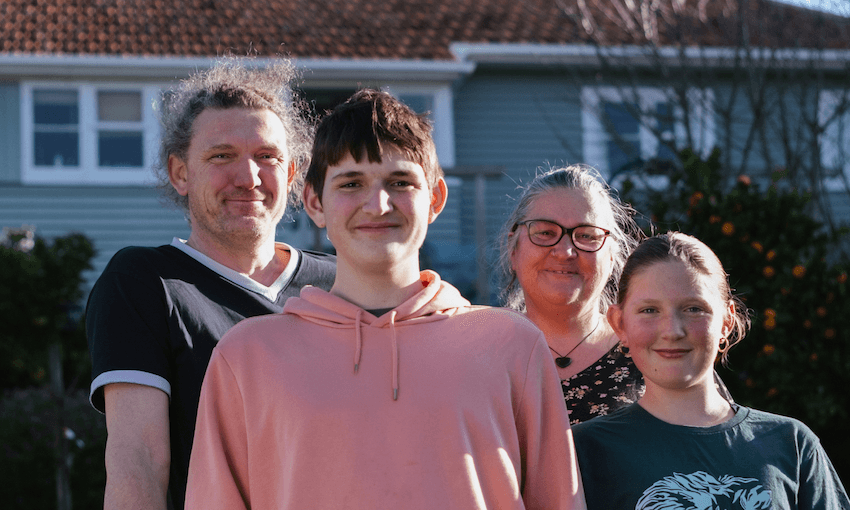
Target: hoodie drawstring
(359, 344)
(395, 355)
(358, 341)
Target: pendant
(563, 361)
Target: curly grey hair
(232, 82)
(579, 177)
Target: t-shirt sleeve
(127, 329)
(550, 476)
(820, 487)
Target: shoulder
(497, 318)
(763, 422)
(142, 261)
(621, 419)
(318, 257)
(134, 255)
(316, 269)
(258, 329)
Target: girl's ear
(729, 320)
(615, 320)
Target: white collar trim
(271, 292)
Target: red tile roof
(391, 29)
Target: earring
(624, 349)
(723, 344)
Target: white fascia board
(384, 70)
(587, 54)
(17, 65)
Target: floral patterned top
(610, 383)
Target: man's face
(377, 214)
(236, 175)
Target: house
(511, 85)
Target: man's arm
(138, 451)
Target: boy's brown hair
(369, 123)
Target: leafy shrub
(40, 309)
(789, 270)
(40, 302)
(27, 450)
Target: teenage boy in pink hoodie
(391, 390)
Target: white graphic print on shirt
(702, 491)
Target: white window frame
(88, 172)
(595, 136)
(442, 116)
(833, 142)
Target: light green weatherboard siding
(521, 121)
(111, 217)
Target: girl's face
(672, 320)
(562, 275)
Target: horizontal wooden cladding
(111, 218)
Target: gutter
(521, 54)
(109, 66)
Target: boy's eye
(648, 310)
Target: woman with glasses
(561, 254)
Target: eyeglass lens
(546, 233)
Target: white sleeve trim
(126, 376)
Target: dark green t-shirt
(632, 460)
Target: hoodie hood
(436, 301)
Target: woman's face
(672, 321)
(561, 275)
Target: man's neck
(377, 289)
(257, 260)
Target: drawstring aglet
(395, 393)
(356, 367)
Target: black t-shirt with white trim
(155, 314)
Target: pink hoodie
(434, 405)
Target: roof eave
(522, 54)
(158, 67)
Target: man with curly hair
(233, 141)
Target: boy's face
(376, 214)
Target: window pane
(55, 107)
(665, 120)
(120, 148)
(621, 120)
(620, 158)
(418, 103)
(119, 106)
(57, 149)
(623, 147)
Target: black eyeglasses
(548, 233)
